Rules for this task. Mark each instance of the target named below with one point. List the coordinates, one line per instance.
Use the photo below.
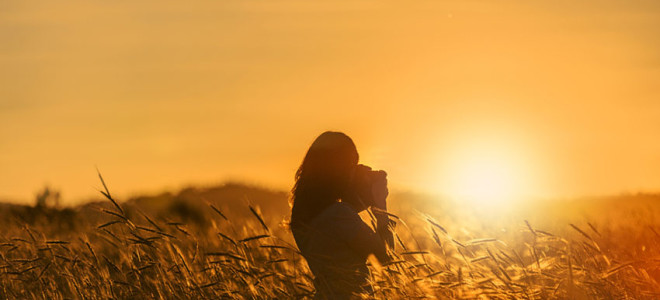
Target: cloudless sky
(562, 97)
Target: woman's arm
(384, 226)
(349, 227)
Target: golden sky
(554, 98)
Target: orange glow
(488, 170)
(158, 94)
(486, 180)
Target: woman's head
(323, 176)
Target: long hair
(323, 176)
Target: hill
(228, 241)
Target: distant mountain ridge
(188, 205)
(233, 200)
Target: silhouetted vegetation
(228, 242)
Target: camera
(362, 183)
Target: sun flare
(485, 181)
(488, 176)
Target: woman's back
(336, 244)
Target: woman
(329, 192)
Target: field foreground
(230, 242)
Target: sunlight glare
(487, 176)
(487, 182)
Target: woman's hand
(379, 191)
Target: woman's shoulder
(338, 210)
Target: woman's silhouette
(329, 192)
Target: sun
(485, 181)
(488, 176)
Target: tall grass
(130, 254)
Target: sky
(536, 98)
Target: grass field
(230, 242)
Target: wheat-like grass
(129, 254)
